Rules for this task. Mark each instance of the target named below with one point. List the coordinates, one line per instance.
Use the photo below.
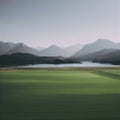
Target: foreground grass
(60, 95)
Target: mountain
(22, 48)
(94, 55)
(10, 48)
(70, 50)
(112, 57)
(5, 47)
(96, 46)
(53, 50)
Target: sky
(61, 22)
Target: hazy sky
(61, 22)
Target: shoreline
(63, 69)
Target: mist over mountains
(101, 50)
(53, 50)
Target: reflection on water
(83, 64)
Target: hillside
(94, 55)
(6, 47)
(96, 46)
(112, 57)
(22, 48)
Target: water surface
(83, 64)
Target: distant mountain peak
(21, 45)
(54, 46)
(103, 40)
(53, 50)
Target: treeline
(114, 61)
(26, 59)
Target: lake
(83, 64)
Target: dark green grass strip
(107, 74)
(61, 107)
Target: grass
(92, 94)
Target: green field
(60, 94)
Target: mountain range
(95, 51)
(53, 50)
